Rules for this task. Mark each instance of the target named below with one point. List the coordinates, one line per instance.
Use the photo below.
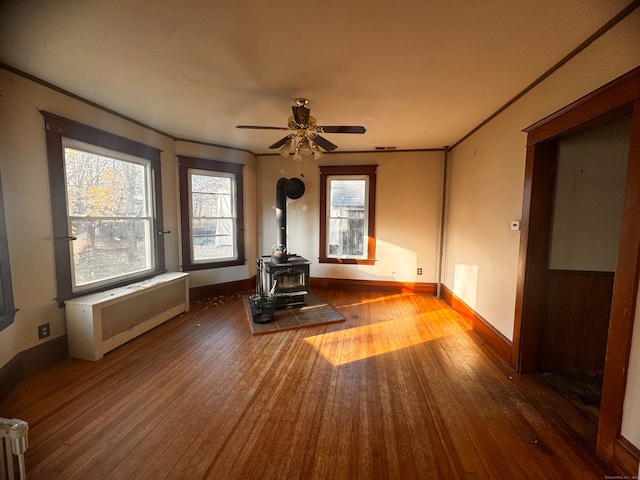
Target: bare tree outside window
(108, 215)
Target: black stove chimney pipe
(294, 189)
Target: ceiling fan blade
(280, 142)
(324, 143)
(341, 129)
(262, 128)
(301, 114)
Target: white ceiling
(417, 74)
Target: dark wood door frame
(617, 98)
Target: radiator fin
(122, 316)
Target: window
(347, 214)
(105, 191)
(7, 311)
(212, 213)
(109, 215)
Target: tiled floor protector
(316, 312)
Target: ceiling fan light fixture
(317, 152)
(285, 149)
(297, 157)
(304, 147)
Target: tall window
(212, 213)
(109, 214)
(347, 214)
(103, 206)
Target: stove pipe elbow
(294, 189)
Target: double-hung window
(212, 213)
(347, 214)
(107, 218)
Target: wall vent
(385, 148)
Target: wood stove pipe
(294, 189)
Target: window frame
(327, 172)
(7, 308)
(56, 130)
(185, 164)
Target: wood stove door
(290, 279)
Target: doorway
(611, 102)
(590, 173)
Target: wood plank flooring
(401, 389)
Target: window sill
(207, 266)
(347, 261)
(7, 319)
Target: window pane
(108, 209)
(109, 248)
(211, 205)
(100, 186)
(346, 237)
(212, 239)
(347, 198)
(212, 216)
(211, 196)
(347, 218)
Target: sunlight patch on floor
(376, 299)
(359, 343)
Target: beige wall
(590, 178)
(408, 203)
(486, 187)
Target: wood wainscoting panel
(576, 321)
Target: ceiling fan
(305, 138)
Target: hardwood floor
(401, 389)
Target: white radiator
(13, 442)
(100, 322)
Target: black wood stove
(288, 281)
(283, 275)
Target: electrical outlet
(43, 331)
(419, 271)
